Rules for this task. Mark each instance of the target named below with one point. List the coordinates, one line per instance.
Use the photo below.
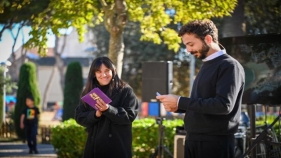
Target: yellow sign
(94, 96)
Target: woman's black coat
(109, 136)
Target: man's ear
(208, 39)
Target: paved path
(17, 149)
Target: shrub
(27, 86)
(145, 137)
(72, 89)
(69, 139)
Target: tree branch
(2, 30)
(63, 44)
(103, 3)
(16, 37)
(121, 9)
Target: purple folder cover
(93, 95)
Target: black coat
(110, 136)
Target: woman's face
(103, 75)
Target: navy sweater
(213, 109)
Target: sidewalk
(17, 149)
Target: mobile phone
(157, 93)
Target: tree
(58, 66)
(263, 17)
(234, 25)
(27, 86)
(72, 89)
(153, 17)
(20, 11)
(14, 16)
(137, 52)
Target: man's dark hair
(200, 28)
(30, 97)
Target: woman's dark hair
(116, 83)
(200, 28)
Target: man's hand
(169, 101)
(22, 126)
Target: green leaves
(62, 14)
(145, 136)
(71, 133)
(27, 86)
(72, 89)
(152, 16)
(155, 21)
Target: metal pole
(253, 128)
(4, 95)
(192, 72)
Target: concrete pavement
(18, 149)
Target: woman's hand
(98, 113)
(101, 105)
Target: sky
(7, 42)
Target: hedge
(145, 137)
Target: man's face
(29, 102)
(195, 46)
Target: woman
(110, 127)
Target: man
(29, 121)
(212, 112)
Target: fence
(7, 131)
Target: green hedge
(260, 121)
(72, 89)
(145, 137)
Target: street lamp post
(5, 64)
(183, 55)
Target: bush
(72, 89)
(27, 86)
(145, 137)
(69, 139)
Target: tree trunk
(116, 51)
(59, 66)
(115, 20)
(235, 25)
(15, 63)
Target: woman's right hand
(98, 113)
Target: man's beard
(203, 51)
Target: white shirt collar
(214, 55)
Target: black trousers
(210, 149)
(31, 132)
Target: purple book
(93, 95)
